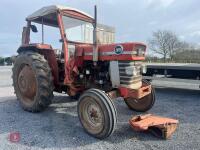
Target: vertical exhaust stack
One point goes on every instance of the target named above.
(95, 43)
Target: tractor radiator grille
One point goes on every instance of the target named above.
(126, 79)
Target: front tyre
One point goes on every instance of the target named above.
(144, 104)
(32, 81)
(97, 113)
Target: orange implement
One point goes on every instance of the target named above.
(159, 126)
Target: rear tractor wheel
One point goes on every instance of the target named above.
(32, 81)
(97, 113)
(143, 104)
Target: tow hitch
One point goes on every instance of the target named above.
(160, 126)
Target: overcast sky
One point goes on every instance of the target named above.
(134, 20)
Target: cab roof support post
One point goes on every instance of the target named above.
(42, 30)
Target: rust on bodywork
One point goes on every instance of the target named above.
(159, 126)
(135, 93)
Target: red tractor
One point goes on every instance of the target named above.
(95, 73)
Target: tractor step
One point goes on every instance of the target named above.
(159, 126)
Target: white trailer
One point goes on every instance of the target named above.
(178, 75)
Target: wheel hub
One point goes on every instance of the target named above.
(93, 117)
(94, 114)
(27, 83)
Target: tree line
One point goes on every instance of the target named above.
(171, 49)
(6, 61)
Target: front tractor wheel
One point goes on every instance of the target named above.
(143, 104)
(32, 81)
(97, 113)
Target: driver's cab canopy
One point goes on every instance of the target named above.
(48, 15)
(73, 20)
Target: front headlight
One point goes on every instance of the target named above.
(131, 70)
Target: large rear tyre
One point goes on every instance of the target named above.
(32, 81)
(143, 104)
(97, 113)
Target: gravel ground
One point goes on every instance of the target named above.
(58, 127)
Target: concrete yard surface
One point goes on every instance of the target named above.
(58, 127)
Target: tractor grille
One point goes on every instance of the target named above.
(126, 79)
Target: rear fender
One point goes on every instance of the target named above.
(49, 55)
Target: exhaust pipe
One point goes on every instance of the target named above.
(95, 43)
